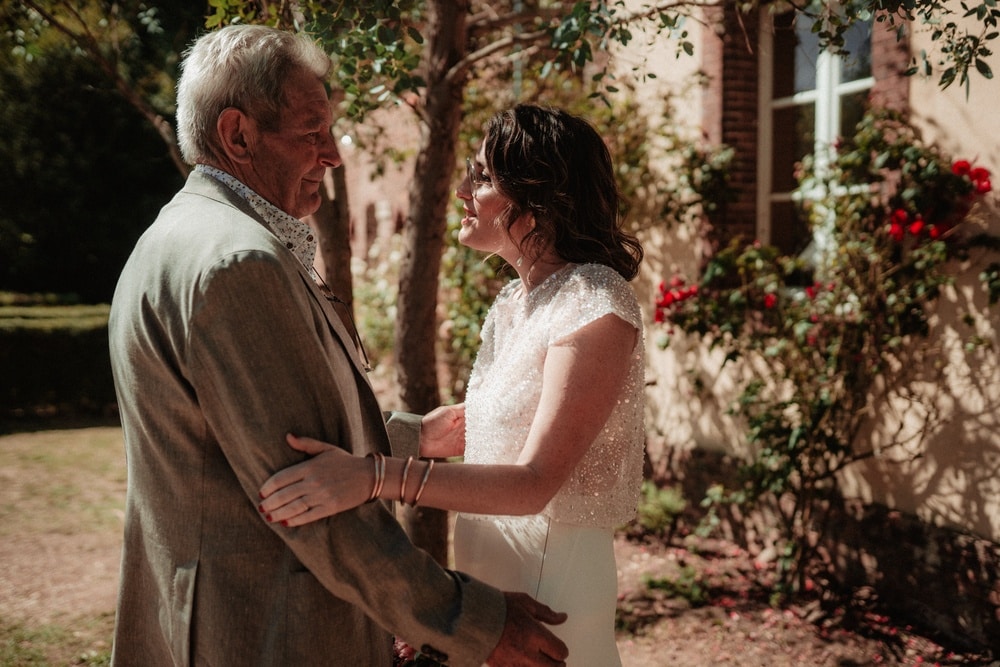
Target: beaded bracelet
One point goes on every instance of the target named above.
(423, 482)
(379, 459)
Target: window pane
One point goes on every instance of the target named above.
(789, 229)
(794, 137)
(856, 63)
(852, 108)
(806, 54)
(784, 44)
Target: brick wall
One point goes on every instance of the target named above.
(729, 114)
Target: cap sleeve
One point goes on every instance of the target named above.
(590, 292)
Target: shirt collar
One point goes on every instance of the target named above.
(295, 234)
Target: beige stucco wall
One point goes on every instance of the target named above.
(953, 477)
(956, 479)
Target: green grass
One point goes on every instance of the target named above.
(51, 645)
(61, 481)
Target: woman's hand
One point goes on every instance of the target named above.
(332, 481)
(442, 432)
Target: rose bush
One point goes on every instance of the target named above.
(824, 341)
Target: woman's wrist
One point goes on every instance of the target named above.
(399, 480)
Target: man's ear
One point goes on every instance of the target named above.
(237, 134)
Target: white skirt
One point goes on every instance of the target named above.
(569, 568)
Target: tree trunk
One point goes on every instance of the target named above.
(332, 225)
(416, 319)
(335, 237)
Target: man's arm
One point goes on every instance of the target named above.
(264, 363)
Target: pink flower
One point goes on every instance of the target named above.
(770, 300)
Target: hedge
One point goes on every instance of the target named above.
(55, 358)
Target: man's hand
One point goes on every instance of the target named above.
(525, 641)
(442, 432)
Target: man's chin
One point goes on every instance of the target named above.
(308, 205)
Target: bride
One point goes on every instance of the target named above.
(552, 427)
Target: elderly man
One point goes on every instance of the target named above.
(222, 343)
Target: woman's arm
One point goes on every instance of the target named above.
(583, 377)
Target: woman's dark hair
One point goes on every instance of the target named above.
(556, 166)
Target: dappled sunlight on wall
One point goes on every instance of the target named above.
(949, 474)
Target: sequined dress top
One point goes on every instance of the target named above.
(505, 388)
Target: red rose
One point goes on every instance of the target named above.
(980, 174)
(983, 186)
(934, 231)
(658, 316)
(900, 216)
(896, 231)
(770, 300)
(961, 167)
(917, 227)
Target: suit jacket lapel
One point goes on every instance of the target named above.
(209, 187)
(337, 325)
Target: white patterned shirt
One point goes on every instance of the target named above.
(295, 234)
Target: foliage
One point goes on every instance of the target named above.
(81, 171)
(375, 284)
(659, 508)
(687, 585)
(821, 358)
(960, 49)
(57, 356)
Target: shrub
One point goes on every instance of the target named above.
(820, 356)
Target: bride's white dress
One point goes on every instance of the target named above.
(563, 556)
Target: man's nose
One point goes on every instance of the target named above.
(329, 154)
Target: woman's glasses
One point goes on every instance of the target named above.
(476, 178)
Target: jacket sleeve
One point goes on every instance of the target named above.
(265, 362)
(404, 433)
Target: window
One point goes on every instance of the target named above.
(808, 98)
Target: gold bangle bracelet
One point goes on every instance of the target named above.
(378, 459)
(423, 482)
(402, 483)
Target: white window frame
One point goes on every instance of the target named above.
(825, 99)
